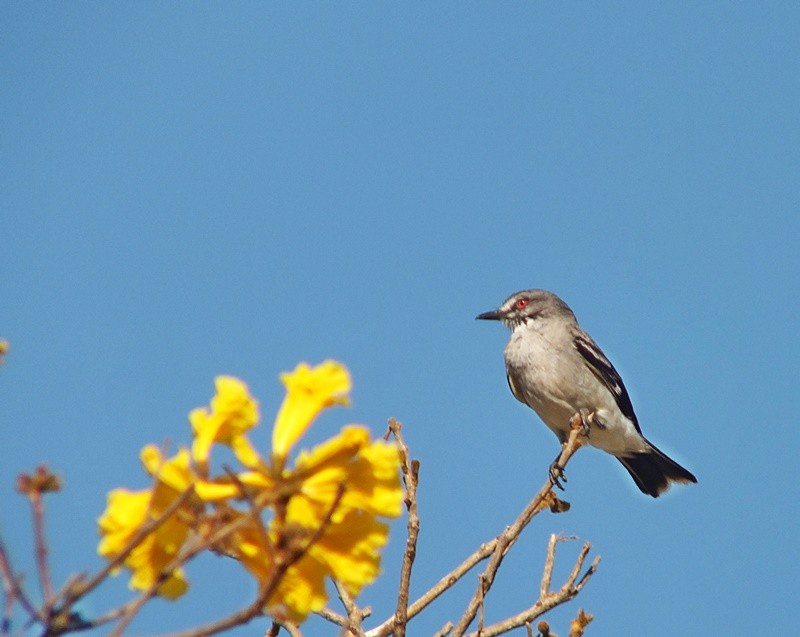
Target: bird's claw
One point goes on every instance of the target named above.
(583, 420)
(557, 474)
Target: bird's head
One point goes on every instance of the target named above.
(527, 305)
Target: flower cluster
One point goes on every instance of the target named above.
(290, 525)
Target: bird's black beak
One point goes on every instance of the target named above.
(494, 315)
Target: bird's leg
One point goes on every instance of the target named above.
(556, 472)
(583, 420)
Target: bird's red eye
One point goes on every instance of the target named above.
(521, 303)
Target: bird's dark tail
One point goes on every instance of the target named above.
(653, 471)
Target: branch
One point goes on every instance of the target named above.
(355, 615)
(13, 592)
(333, 617)
(410, 470)
(34, 486)
(42, 566)
(547, 599)
(507, 539)
(498, 547)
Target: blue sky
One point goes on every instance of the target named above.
(191, 189)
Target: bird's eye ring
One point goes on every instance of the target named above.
(521, 303)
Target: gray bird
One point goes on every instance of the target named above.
(556, 369)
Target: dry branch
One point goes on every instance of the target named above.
(410, 469)
(495, 549)
(547, 599)
(506, 539)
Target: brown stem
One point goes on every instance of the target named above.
(410, 469)
(507, 539)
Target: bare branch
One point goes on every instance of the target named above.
(410, 469)
(547, 599)
(13, 591)
(41, 548)
(355, 615)
(34, 486)
(444, 630)
(506, 539)
(448, 581)
(333, 617)
(497, 547)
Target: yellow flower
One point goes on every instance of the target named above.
(368, 471)
(347, 551)
(301, 591)
(128, 511)
(301, 524)
(125, 513)
(341, 487)
(233, 412)
(325, 508)
(308, 391)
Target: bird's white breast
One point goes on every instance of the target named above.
(538, 363)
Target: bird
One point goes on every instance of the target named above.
(554, 367)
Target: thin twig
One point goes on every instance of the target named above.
(487, 548)
(333, 617)
(548, 599)
(549, 563)
(506, 539)
(292, 629)
(13, 589)
(354, 614)
(444, 584)
(42, 566)
(410, 469)
(444, 630)
(578, 565)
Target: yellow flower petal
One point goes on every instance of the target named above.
(233, 411)
(174, 472)
(210, 491)
(375, 480)
(148, 573)
(308, 391)
(257, 484)
(350, 550)
(246, 453)
(368, 471)
(301, 591)
(346, 445)
(127, 512)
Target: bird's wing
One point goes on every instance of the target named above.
(601, 367)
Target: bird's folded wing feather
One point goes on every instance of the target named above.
(601, 367)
